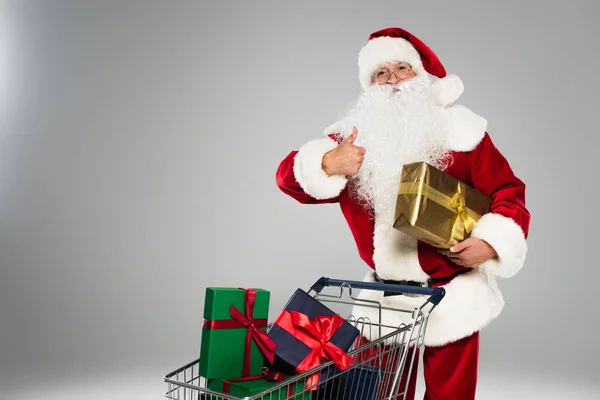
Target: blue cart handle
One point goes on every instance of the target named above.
(435, 294)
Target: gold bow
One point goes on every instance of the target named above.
(464, 222)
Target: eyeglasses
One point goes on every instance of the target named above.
(383, 75)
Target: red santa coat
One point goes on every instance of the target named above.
(472, 299)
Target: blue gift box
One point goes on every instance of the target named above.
(361, 383)
(290, 351)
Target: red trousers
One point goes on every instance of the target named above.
(450, 371)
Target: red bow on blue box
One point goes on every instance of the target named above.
(307, 334)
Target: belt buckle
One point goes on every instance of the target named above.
(421, 284)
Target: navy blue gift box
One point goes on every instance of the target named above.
(361, 382)
(290, 351)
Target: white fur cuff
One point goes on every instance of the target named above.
(507, 238)
(309, 173)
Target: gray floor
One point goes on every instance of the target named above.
(148, 385)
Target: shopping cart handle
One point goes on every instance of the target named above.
(435, 294)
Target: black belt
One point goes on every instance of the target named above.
(429, 283)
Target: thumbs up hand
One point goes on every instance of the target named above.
(346, 158)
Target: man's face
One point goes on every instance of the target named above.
(391, 73)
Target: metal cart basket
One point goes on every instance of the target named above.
(381, 366)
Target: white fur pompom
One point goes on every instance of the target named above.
(448, 89)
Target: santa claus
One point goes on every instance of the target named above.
(406, 113)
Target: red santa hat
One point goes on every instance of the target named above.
(396, 44)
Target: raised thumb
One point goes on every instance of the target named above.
(353, 135)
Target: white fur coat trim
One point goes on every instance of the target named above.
(465, 128)
(507, 238)
(470, 304)
(395, 254)
(309, 173)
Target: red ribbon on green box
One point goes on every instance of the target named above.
(270, 376)
(241, 320)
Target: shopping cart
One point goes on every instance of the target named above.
(380, 368)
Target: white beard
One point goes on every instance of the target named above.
(395, 129)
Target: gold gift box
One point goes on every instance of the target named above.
(436, 208)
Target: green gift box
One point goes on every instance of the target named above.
(234, 339)
(295, 389)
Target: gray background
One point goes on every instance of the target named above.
(138, 149)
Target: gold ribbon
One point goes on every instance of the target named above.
(466, 218)
(464, 223)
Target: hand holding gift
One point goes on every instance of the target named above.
(470, 253)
